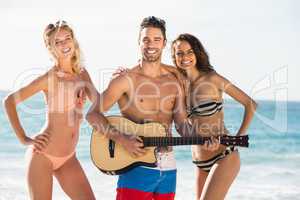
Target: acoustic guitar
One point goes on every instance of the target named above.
(111, 158)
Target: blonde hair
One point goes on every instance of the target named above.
(49, 36)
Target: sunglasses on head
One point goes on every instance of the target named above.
(59, 23)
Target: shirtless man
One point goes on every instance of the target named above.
(147, 92)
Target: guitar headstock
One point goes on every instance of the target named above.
(228, 140)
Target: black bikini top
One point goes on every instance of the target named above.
(206, 108)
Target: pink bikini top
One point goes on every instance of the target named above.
(66, 93)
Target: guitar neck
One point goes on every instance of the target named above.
(194, 140)
(172, 141)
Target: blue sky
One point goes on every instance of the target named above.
(253, 43)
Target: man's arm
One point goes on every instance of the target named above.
(182, 123)
(116, 88)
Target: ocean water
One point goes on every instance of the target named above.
(270, 167)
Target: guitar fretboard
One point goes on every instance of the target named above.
(172, 141)
(194, 140)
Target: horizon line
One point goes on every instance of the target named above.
(292, 100)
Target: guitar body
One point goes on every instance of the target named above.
(111, 158)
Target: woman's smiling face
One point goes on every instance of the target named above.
(184, 55)
(63, 44)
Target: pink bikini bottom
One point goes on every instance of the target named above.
(56, 161)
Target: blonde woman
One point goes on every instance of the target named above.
(51, 152)
(216, 165)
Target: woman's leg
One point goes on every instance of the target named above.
(73, 180)
(39, 176)
(200, 181)
(221, 177)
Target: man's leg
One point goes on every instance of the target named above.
(138, 183)
(167, 186)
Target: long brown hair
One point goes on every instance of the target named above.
(202, 58)
(50, 31)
